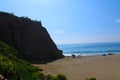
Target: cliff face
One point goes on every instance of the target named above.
(29, 37)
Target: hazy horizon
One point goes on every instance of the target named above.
(87, 43)
(72, 21)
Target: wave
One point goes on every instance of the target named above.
(108, 51)
(93, 48)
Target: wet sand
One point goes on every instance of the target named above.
(100, 67)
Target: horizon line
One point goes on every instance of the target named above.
(88, 42)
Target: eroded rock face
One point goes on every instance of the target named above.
(29, 37)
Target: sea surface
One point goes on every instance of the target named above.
(86, 49)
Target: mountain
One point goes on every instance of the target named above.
(29, 37)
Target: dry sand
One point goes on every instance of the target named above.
(100, 67)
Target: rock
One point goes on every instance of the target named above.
(29, 37)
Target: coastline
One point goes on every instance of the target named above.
(90, 54)
(98, 66)
(88, 49)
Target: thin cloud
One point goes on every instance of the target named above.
(59, 31)
(117, 20)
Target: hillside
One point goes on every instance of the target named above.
(14, 67)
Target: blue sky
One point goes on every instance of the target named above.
(72, 21)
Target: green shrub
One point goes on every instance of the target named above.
(13, 66)
(50, 77)
(61, 77)
(91, 78)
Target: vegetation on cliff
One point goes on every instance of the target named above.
(14, 67)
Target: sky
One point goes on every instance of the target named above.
(72, 21)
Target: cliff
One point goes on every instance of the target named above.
(29, 37)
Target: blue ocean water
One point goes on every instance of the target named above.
(90, 48)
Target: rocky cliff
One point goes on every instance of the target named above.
(29, 37)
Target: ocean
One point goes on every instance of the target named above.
(86, 49)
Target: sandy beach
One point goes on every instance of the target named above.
(100, 67)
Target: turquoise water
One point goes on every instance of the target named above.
(90, 49)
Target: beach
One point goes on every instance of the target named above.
(100, 67)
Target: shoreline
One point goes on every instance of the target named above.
(91, 54)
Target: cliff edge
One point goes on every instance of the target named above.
(29, 37)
